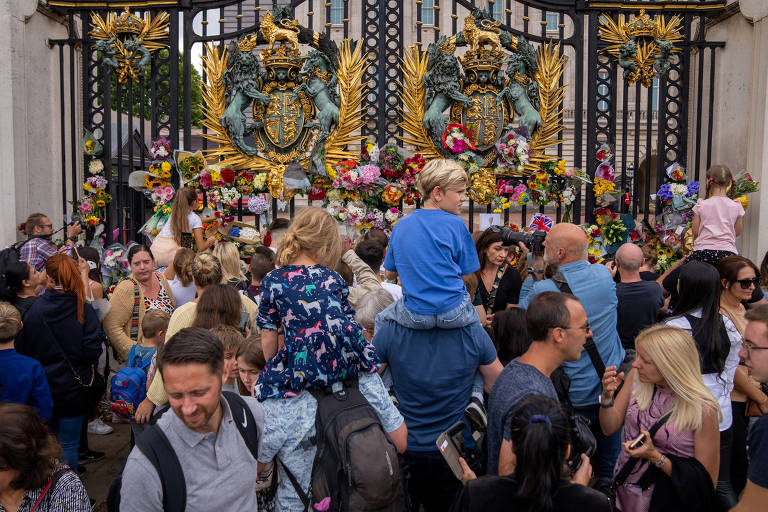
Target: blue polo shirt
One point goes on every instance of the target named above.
(24, 382)
(594, 287)
(430, 250)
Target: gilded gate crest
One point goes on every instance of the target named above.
(480, 92)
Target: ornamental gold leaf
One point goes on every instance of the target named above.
(413, 98)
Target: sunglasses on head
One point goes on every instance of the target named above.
(744, 283)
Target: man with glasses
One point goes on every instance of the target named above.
(566, 248)
(558, 326)
(39, 247)
(754, 352)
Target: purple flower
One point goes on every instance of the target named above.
(693, 189)
(257, 205)
(665, 192)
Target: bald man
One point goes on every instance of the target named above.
(566, 248)
(639, 301)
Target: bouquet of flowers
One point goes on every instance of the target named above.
(190, 165)
(744, 184)
(91, 145)
(162, 212)
(514, 151)
(258, 204)
(114, 263)
(95, 166)
(160, 149)
(457, 138)
(391, 162)
(162, 195)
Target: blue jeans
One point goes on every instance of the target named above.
(608, 447)
(67, 431)
(462, 315)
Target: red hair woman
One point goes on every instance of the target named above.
(63, 333)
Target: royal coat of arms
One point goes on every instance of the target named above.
(283, 109)
(501, 82)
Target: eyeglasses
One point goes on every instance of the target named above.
(744, 283)
(584, 327)
(749, 346)
(45, 225)
(252, 373)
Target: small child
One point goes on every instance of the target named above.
(250, 361)
(143, 354)
(23, 379)
(717, 220)
(323, 344)
(262, 263)
(232, 340)
(430, 250)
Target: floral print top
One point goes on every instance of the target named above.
(163, 302)
(323, 343)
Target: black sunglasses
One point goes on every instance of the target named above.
(744, 283)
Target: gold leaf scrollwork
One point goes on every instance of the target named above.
(551, 96)
(413, 94)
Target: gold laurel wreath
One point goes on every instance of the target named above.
(551, 94)
(352, 90)
(413, 96)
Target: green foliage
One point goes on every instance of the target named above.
(162, 85)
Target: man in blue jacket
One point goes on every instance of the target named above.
(566, 248)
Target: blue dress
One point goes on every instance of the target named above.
(323, 343)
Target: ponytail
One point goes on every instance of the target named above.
(63, 270)
(540, 433)
(184, 202)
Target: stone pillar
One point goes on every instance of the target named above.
(754, 239)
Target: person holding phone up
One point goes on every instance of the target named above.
(671, 447)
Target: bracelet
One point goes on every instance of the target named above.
(609, 404)
(662, 460)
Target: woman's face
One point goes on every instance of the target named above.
(735, 288)
(37, 280)
(142, 266)
(247, 373)
(495, 254)
(6, 477)
(646, 369)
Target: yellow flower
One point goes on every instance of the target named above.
(165, 166)
(560, 169)
(330, 171)
(215, 176)
(100, 203)
(87, 187)
(496, 210)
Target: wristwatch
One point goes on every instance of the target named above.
(661, 461)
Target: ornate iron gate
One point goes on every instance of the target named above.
(673, 113)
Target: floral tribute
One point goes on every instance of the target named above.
(457, 139)
(92, 207)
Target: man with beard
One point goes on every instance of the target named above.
(566, 248)
(38, 247)
(206, 431)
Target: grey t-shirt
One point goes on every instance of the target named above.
(515, 382)
(219, 470)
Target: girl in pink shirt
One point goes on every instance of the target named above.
(717, 220)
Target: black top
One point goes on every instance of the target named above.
(508, 291)
(638, 308)
(645, 275)
(499, 493)
(670, 285)
(23, 304)
(758, 452)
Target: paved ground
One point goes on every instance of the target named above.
(100, 474)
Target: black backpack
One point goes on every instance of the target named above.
(356, 465)
(155, 446)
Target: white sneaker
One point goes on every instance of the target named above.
(99, 427)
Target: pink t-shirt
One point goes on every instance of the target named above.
(718, 216)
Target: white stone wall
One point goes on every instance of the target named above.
(30, 138)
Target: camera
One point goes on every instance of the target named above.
(582, 441)
(534, 241)
(77, 220)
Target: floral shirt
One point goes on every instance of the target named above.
(323, 343)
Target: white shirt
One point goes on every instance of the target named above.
(720, 385)
(182, 294)
(395, 290)
(193, 220)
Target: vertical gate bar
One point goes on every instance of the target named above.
(328, 19)
(699, 97)
(711, 113)
(683, 93)
(420, 21)
(525, 18)
(72, 102)
(62, 127)
(454, 17)
(436, 26)
(131, 167)
(345, 22)
(311, 24)
(119, 128)
(624, 114)
(471, 216)
(648, 150)
(173, 78)
(105, 75)
(592, 106)
(578, 114)
(636, 159)
(661, 159)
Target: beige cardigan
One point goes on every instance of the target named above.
(117, 323)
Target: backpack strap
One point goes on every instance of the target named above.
(244, 421)
(628, 466)
(155, 446)
(134, 332)
(295, 483)
(491, 302)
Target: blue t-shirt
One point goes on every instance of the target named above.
(515, 382)
(24, 382)
(758, 452)
(141, 357)
(432, 372)
(431, 250)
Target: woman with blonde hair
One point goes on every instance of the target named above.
(184, 227)
(229, 257)
(670, 420)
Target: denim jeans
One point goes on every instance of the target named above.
(430, 483)
(608, 447)
(67, 431)
(462, 315)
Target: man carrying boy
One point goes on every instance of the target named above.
(22, 378)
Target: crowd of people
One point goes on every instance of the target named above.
(433, 369)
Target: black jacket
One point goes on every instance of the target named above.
(82, 344)
(688, 488)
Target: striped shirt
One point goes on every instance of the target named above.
(68, 494)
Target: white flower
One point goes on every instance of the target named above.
(679, 189)
(568, 196)
(249, 233)
(95, 166)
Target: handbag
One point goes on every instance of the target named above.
(95, 387)
(753, 409)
